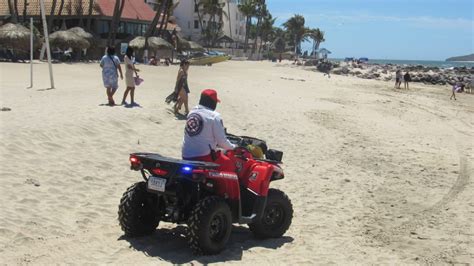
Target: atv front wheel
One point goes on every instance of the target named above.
(209, 226)
(138, 211)
(276, 218)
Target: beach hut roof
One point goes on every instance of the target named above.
(134, 10)
(183, 44)
(14, 36)
(323, 51)
(65, 39)
(81, 32)
(194, 46)
(225, 39)
(153, 43)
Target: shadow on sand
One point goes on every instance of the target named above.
(178, 116)
(171, 245)
(46, 89)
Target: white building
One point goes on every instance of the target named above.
(187, 18)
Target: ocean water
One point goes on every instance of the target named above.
(440, 64)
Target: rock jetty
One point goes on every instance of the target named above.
(418, 73)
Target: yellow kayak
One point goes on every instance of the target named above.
(208, 60)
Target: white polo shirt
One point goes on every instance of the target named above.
(204, 131)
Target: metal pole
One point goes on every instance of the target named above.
(31, 53)
(46, 36)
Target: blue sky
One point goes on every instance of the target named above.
(386, 29)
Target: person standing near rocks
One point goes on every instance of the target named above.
(407, 78)
(398, 79)
(458, 87)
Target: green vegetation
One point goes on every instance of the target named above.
(260, 25)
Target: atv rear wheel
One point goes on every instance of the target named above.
(209, 226)
(138, 211)
(276, 218)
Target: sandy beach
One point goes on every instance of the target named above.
(375, 175)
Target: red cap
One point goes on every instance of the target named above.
(211, 94)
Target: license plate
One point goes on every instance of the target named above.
(156, 183)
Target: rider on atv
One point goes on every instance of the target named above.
(204, 132)
(210, 190)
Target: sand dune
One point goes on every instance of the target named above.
(375, 175)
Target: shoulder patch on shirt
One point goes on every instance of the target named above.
(194, 124)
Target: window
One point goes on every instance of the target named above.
(236, 15)
(130, 28)
(103, 26)
(189, 24)
(121, 28)
(196, 8)
(196, 24)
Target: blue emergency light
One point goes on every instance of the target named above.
(187, 169)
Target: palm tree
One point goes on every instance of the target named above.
(261, 11)
(60, 11)
(152, 27)
(11, 9)
(196, 4)
(168, 12)
(214, 9)
(247, 8)
(118, 8)
(89, 14)
(296, 30)
(266, 30)
(230, 20)
(25, 7)
(317, 36)
(80, 11)
(15, 7)
(51, 16)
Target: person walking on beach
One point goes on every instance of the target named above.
(129, 79)
(110, 63)
(398, 79)
(182, 88)
(407, 79)
(457, 87)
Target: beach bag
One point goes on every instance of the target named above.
(173, 97)
(138, 80)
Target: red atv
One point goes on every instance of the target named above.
(207, 199)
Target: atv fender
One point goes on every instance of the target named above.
(259, 179)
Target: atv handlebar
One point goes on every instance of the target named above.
(236, 140)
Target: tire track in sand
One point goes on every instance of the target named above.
(434, 212)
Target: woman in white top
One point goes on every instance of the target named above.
(129, 79)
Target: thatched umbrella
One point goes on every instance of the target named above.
(154, 43)
(15, 36)
(64, 39)
(183, 44)
(194, 46)
(82, 33)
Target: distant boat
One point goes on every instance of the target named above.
(364, 59)
(348, 59)
(209, 58)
